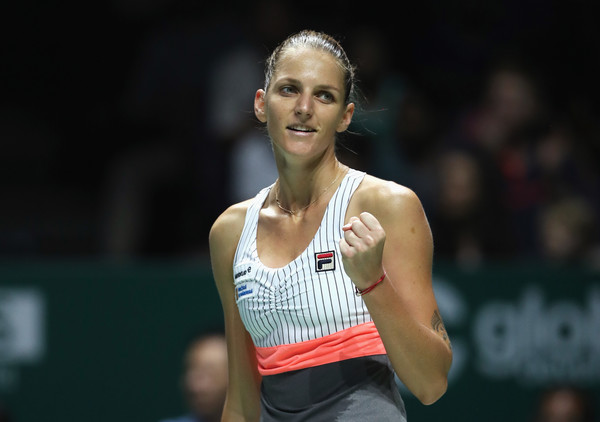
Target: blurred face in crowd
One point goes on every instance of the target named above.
(205, 380)
(511, 97)
(562, 406)
(459, 179)
(304, 105)
(565, 228)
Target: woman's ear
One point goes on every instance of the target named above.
(259, 106)
(346, 118)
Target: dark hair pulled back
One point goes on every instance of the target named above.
(319, 41)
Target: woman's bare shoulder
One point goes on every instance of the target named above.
(227, 228)
(380, 195)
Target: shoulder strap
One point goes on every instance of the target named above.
(251, 220)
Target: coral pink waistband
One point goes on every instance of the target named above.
(358, 341)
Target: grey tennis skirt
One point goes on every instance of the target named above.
(353, 390)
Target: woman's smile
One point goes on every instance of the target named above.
(301, 130)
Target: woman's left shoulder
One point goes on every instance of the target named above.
(379, 196)
(397, 208)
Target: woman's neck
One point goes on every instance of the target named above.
(300, 186)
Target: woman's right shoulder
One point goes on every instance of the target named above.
(223, 239)
(227, 228)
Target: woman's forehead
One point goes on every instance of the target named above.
(307, 62)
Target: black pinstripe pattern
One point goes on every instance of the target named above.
(295, 303)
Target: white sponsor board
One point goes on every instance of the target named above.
(22, 332)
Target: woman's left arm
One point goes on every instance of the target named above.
(393, 235)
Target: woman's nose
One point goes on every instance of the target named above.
(304, 105)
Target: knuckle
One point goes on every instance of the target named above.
(369, 240)
(361, 247)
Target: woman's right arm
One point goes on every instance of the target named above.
(243, 392)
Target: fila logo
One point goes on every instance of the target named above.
(325, 261)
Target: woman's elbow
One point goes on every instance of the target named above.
(433, 392)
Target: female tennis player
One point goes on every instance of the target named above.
(324, 276)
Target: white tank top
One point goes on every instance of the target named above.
(309, 298)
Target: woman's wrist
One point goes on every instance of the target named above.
(362, 292)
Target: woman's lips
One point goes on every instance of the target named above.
(301, 130)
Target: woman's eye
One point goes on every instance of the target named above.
(325, 96)
(287, 89)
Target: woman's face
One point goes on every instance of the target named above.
(304, 105)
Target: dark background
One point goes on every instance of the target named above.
(90, 90)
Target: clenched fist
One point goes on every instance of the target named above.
(362, 249)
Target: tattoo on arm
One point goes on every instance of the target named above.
(438, 326)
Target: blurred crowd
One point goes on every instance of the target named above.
(129, 130)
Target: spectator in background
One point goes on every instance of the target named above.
(397, 127)
(156, 189)
(566, 166)
(510, 111)
(564, 404)
(466, 219)
(567, 232)
(205, 379)
(505, 128)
